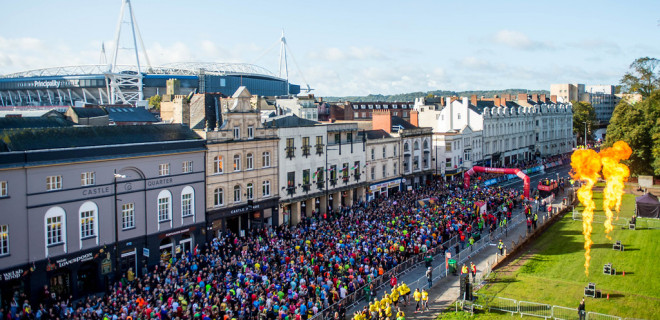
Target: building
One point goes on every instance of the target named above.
(110, 115)
(362, 111)
(304, 107)
(241, 168)
(601, 97)
(498, 131)
(321, 166)
(82, 205)
(414, 145)
(382, 165)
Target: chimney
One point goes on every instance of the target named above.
(454, 98)
(535, 97)
(382, 119)
(553, 98)
(522, 97)
(506, 97)
(414, 118)
(542, 98)
(496, 101)
(473, 99)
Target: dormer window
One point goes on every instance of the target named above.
(371, 106)
(363, 106)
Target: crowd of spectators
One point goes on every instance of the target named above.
(287, 272)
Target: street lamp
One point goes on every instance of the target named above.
(327, 173)
(117, 261)
(585, 134)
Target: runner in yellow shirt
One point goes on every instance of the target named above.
(425, 300)
(418, 298)
(395, 297)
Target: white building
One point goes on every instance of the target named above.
(382, 165)
(320, 166)
(304, 107)
(496, 131)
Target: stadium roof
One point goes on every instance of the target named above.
(180, 68)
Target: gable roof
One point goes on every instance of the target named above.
(400, 122)
(288, 121)
(242, 92)
(375, 134)
(72, 137)
(89, 112)
(130, 114)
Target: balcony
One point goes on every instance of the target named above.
(306, 187)
(357, 176)
(290, 152)
(319, 149)
(345, 179)
(306, 150)
(291, 190)
(320, 185)
(333, 182)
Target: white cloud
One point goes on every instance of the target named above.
(518, 40)
(352, 53)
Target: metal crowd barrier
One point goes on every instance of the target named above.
(535, 309)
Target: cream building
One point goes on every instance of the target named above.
(241, 168)
(382, 166)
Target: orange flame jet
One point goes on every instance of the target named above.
(615, 174)
(586, 166)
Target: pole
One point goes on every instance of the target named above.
(585, 134)
(116, 227)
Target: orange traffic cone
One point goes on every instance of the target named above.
(624, 273)
(608, 296)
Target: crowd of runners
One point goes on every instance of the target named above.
(288, 272)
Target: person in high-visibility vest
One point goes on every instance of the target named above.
(425, 300)
(500, 246)
(395, 296)
(473, 270)
(418, 298)
(464, 270)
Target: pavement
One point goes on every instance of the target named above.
(445, 290)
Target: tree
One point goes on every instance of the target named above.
(643, 77)
(154, 101)
(583, 112)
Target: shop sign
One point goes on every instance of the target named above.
(106, 264)
(96, 191)
(145, 252)
(159, 182)
(13, 274)
(65, 262)
(245, 209)
(174, 233)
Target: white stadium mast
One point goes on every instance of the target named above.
(123, 86)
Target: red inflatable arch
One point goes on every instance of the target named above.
(518, 172)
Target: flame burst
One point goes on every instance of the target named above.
(586, 166)
(615, 174)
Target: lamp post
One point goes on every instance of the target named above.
(585, 134)
(327, 203)
(117, 260)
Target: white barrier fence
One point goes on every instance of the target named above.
(534, 309)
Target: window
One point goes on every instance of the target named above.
(265, 159)
(87, 178)
(87, 224)
(349, 137)
(458, 116)
(187, 201)
(237, 193)
(448, 163)
(290, 148)
(395, 151)
(186, 167)
(218, 197)
(217, 164)
(448, 147)
(237, 133)
(344, 171)
(250, 191)
(373, 173)
(164, 169)
(54, 229)
(319, 145)
(128, 215)
(164, 206)
(356, 114)
(265, 188)
(318, 175)
(384, 153)
(237, 162)
(384, 171)
(306, 146)
(305, 180)
(250, 132)
(3, 189)
(406, 147)
(53, 183)
(4, 239)
(416, 145)
(291, 182)
(337, 138)
(333, 173)
(395, 170)
(249, 162)
(373, 154)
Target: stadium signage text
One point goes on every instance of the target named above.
(55, 83)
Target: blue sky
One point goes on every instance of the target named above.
(354, 47)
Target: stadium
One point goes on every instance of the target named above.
(64, 86)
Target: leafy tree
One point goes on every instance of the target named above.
(154, 101)
(583, 112)
(643, 77)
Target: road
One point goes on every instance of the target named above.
(552, 173)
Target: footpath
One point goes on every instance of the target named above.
(445, 289)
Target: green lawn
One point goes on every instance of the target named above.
(554, 273)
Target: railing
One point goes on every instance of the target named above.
(290, 152)
(320, 184)
(319, 149)
(357, 176)
(306, 150)
(306, 187)
(535, 309)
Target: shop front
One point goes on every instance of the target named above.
(243, 217)
(384, 189)
(14, 282)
